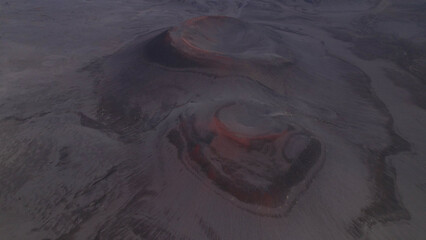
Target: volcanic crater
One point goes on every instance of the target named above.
(251, 151)
(216, 41)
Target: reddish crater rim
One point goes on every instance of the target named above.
(187, 33)
(243, 124)
(221, 129)
(223, 39)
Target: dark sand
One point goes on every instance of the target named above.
(176, 119)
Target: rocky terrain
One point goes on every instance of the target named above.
(197, 119)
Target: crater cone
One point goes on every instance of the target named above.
(215, 41)
(252, 153)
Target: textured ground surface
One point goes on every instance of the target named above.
(245, 119)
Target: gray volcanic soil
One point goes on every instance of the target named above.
(243, 119)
